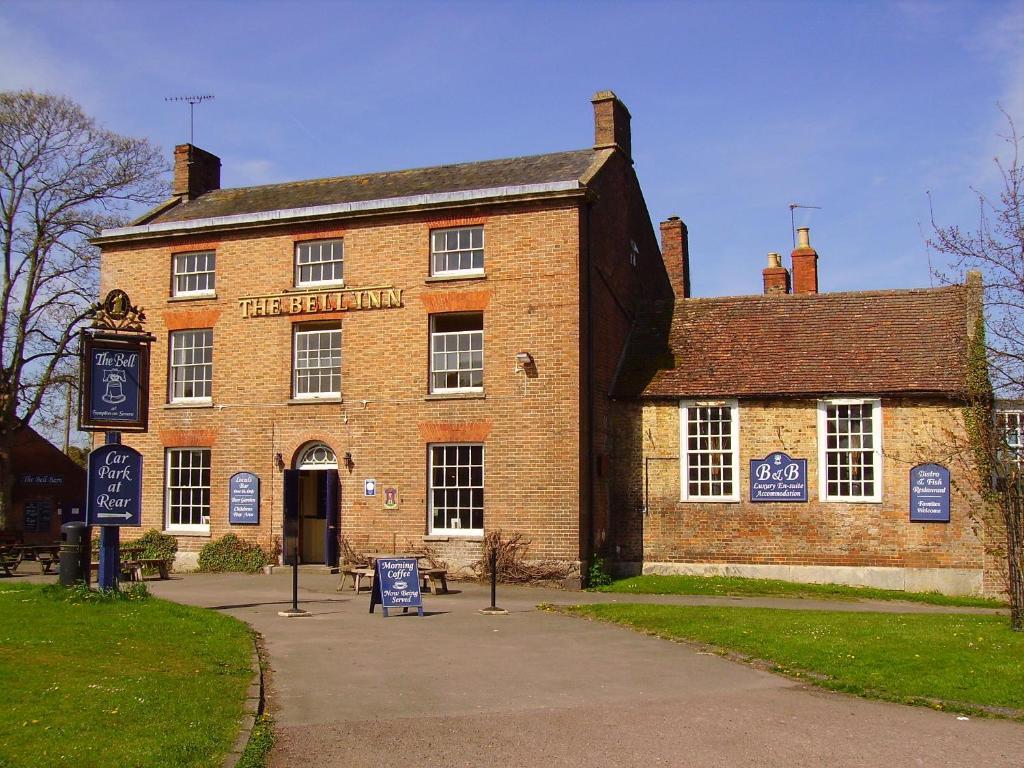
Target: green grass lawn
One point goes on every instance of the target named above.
(954, 661)
(734, 586)
(121, 683)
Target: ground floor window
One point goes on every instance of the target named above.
(456, 488)
(188, 489)
(850, 450)
(709, 434)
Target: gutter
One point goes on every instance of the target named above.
(287, 215)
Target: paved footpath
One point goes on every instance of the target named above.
(539, 689)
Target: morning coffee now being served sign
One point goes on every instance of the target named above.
(396, 584)
(114, 486)
(777, 477)
(929, 494)
(115, 378)
(244, 499)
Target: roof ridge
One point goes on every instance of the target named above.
(875, 292)
(325, 179)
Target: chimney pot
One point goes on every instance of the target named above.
(611, 123)
(675, 252)
(775, 276)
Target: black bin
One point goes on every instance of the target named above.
(75, 553)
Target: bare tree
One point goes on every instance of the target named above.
(996, 360)
(62, 179)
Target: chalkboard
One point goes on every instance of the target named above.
(396, 584)
(38, 515)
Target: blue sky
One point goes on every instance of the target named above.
(738, 108)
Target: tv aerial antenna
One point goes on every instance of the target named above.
(192, 101)
(792, 218)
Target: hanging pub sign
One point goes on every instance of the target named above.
(929, 494)
(115, 368)
(244, 499)
(114, 486)
(777, 477)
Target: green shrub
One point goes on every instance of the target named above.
(597, 574)
(157, 545)
(230, 553)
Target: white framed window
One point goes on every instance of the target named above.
(191, 366)
(317, 370)
(194, 274)
(457, 251)
(317, 456)
(709, 439)
(850, 450)
(1010, 424)
(188, 489)
(457, 352)
(320, 262)
(456, 488)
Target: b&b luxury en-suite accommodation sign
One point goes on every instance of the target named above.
(777, 477)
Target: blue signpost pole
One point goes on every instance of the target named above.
(110, 541)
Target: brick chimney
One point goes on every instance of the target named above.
(805, 263)
(675, 252)
(196, 171)
(776, 276)
(611, 123)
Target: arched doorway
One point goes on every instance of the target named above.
(311, 497)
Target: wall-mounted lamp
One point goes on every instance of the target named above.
(523, 361)
(279, 462)
(347, 458)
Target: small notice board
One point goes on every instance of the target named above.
(396, 584)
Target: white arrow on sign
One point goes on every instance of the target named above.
(122, 515)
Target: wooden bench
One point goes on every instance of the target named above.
(161, 565)
(435, 577)
(357, 574)
(47, 560)
(9, 562)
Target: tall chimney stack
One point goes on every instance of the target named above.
(611, 124)
(805, 263)
(196, 172)
(675, 252)
(776, 276)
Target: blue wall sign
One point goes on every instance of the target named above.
(369, 487)
(777, 477)
(244, 499)
(929, 494)
(114, 490)
(396, 584)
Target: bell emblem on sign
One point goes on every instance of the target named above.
(114, 393)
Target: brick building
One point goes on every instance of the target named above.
(861, 386)
(419, 356)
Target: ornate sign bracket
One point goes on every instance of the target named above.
(117, 313)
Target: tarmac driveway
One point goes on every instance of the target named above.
(455, 688)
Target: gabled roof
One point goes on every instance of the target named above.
(870, 342)
(533, 171)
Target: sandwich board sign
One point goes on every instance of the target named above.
(114, 486)
(396, 584)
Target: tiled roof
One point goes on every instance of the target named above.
(870, 342)
(489, 174)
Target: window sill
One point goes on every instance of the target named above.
(193, 297)
(455, 396)
(710, 500)
(315, 400)
(197, 534)
(315, 287)
(455, 535)
(449, 278)
(834, 500)
(186, 405)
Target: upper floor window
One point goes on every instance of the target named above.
(317, 369)
(457, 352)
(191, 365)
(850, 450)
(320, 262)
(194, 274)
(709, 434)
(1011, 428)
(457, 251)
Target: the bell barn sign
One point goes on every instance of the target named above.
(325, 300)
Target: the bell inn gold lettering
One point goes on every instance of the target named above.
(337, 300)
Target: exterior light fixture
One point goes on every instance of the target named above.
(348, 460)
(279, 461)
(523, 361)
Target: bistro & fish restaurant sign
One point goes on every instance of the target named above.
(312, 302)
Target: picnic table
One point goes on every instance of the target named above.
(133, 564)
(429, 575)
(44, 554)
